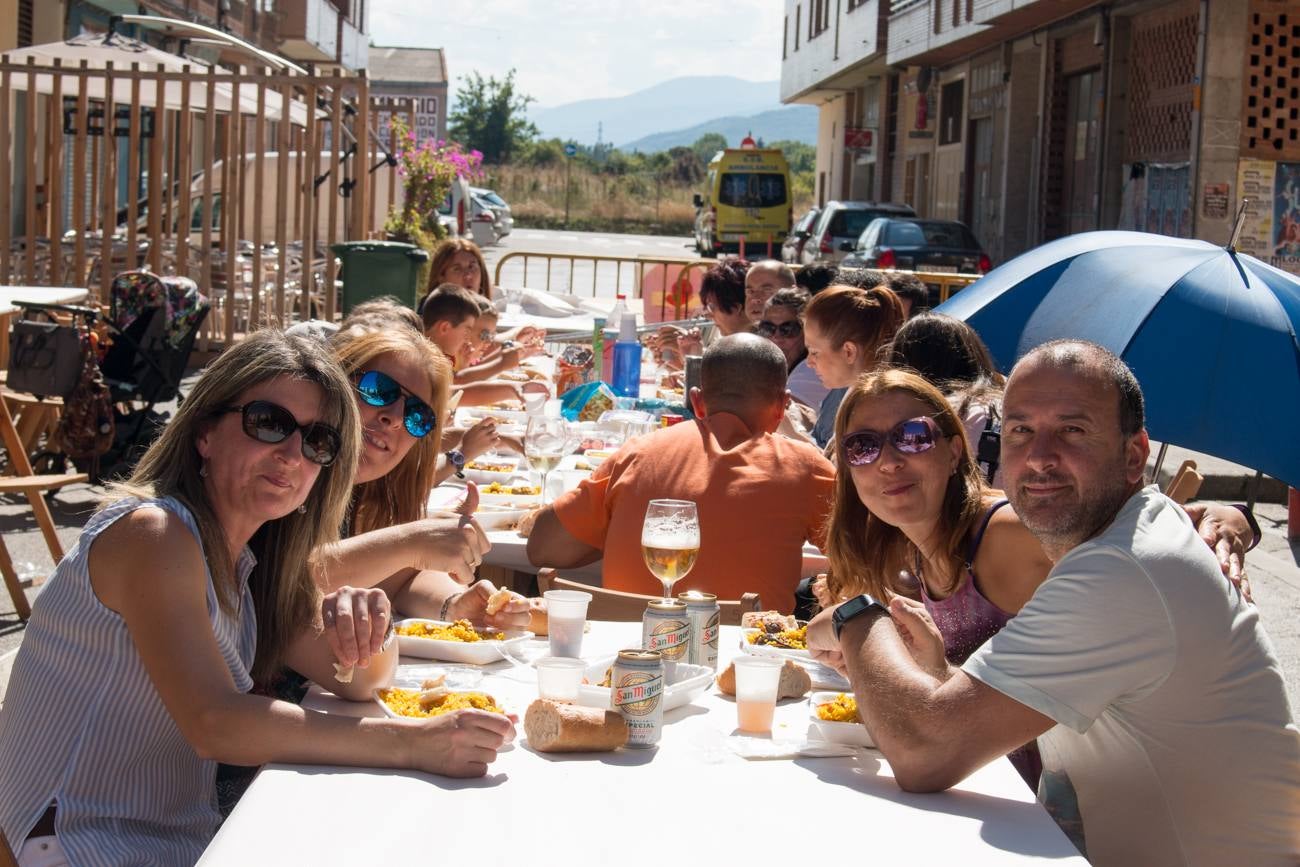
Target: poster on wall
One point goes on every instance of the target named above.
(1271, 230)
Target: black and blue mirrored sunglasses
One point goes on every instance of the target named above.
(379, 389)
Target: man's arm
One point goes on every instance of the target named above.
(935, 728)
(550, 544)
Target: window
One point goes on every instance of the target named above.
(819, 17)
(854, 4)
(951, 97)
(25, 15)
(752, 190)
(785, 38)
(798, 19)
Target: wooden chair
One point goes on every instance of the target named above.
(24, 481)
(1185, 483)
(622, 607)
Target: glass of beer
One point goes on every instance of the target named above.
(670, 540)
(546, 441)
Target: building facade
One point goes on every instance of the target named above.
(833, 58)
(1034, 119)
(411, 82)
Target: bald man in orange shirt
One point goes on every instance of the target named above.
(760, 495)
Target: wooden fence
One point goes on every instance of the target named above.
(254, 231)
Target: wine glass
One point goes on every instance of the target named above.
(545, 442)
(670, 540)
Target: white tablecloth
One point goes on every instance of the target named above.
(690, 801)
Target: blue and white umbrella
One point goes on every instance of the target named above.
(1210, 334)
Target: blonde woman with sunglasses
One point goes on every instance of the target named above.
(185, 589)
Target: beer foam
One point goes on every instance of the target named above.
(679, 540)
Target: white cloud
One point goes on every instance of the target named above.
(567, 50)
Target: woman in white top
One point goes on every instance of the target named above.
(133, 679)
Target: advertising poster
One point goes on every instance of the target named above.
(1255, 185)
(1286, 217)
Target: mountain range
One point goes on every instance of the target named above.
(679, 111)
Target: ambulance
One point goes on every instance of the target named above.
(746, 203)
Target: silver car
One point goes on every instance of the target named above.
(840, 225)
(486, 201)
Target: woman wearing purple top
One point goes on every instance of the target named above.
(913, 515)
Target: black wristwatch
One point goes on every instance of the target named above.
(456, 458)
(860, 604)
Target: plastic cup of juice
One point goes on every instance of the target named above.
(757, 679)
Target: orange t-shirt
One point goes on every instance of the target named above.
(758, 503)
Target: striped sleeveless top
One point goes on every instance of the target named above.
(83, 727)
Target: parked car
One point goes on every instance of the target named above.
(487, 201)
(792, 247)
(841, 222)
(917, 245)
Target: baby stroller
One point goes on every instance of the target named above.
(153, 322)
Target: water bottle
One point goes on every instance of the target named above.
(615, 320)
(627, 359)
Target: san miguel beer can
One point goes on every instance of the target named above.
(637, 690)
(702, 611)
(666, 628)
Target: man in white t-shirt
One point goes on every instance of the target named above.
(1156, 697)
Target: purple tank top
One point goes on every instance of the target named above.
(966, 619)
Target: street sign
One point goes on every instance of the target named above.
(570, 150)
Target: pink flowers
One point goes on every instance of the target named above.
(429, 169)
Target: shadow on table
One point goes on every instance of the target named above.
(450, 784)
(626, 758)
(1003, 820)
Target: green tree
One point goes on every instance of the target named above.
(801, 157)
(490, 117)
(707, 145)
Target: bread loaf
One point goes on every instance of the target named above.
(794, 683)
(570, 728)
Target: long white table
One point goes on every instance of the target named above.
(690, 801)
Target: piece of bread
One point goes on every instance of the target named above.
(498, 600)
(538, 623)
(795, 682)
(571, 728)
(769, 621)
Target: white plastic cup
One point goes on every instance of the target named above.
(535, 403)
(558, 678)
(757, 680)
(566, 616)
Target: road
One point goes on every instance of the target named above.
(560, 274)
(1274, 565)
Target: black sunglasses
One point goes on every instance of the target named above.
(379, 389)
(911, 437)
(269, 422)
(793, 328)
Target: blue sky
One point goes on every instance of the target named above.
(566, 50)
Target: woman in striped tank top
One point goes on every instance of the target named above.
(133, 678)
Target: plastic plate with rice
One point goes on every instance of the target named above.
(482, 652)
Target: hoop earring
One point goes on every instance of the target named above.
(203, 470)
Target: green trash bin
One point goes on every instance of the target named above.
(375, 268)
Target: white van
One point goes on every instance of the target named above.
(454, 214)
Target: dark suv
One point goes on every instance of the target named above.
(842, 222)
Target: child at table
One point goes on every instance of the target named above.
(450, 315)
